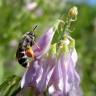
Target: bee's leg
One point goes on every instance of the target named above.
(36, 45)
(28, 65)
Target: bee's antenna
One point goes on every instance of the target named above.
(34, 28)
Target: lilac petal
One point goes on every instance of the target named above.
(55, 82)
(76, 91)
(64, 68)
(64, 76)
(74, 56)
(71, 78)
(44, 43)
(59, 85)
(77, 78)
(69, 64)
(31, 75)
(73, 75)
(58, 93)
(47, 72)
(38, 74)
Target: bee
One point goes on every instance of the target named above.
(24, 50)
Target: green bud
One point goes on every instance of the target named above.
(65, 49)
(73, 11)
(72, 43)
(53, 49)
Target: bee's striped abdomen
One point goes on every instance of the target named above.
(23, 61)
(22, 57)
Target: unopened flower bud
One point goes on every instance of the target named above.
(73, 11)
(72, 43)
(53, 49)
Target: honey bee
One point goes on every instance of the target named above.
(24, 50)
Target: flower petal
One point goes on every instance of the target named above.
(47, 72)
(74, 56)
(76, 91)
(55, 83)
(44, 43)
(32, 74)
(38, 74)
(64, 68)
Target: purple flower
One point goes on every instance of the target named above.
(55, 72)
(64, 77)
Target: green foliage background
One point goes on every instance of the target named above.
(15, 20)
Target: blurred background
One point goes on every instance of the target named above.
(19, 16)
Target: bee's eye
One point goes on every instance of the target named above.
(31, 34)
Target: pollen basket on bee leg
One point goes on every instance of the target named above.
(30, 53)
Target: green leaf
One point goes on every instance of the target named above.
(10, 86)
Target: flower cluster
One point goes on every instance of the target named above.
(54, 69)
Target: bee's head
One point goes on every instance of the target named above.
(31, 34)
